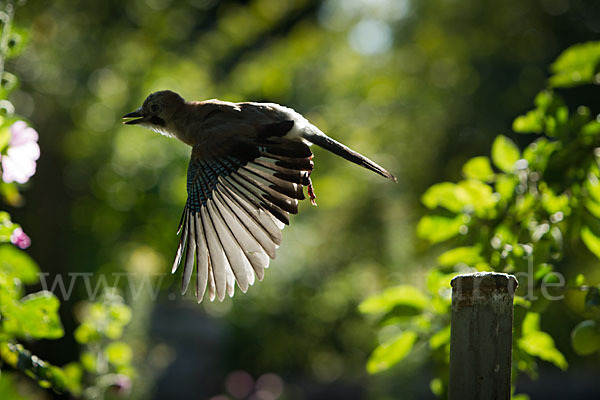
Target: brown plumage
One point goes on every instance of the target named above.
(249, 164)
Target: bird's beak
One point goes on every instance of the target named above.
(134, 117)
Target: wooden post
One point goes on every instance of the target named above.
(481, 336)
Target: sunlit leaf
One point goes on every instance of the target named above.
(532, 122)
(118, 353)
(403, 295)
(504, 153)
(505, 186)
(16, 263)
(538, 152)
(591, 240)
(469, 255)
(478, 168)
(544, 99)
(4, 137)
(437, 228)
(35, 316)
(88, 361)
(478, 196)
(576, 65)
(121, 313)
(442, 195)
(593, 207)
(440, 338)
(392, 352)
(86, 333)
(553, 203)
(73, 374)
(539, 344)
(592, 128)
(437, 387)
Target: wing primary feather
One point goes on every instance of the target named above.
(264, 202)
(282, 201)
(290, 175)
(234, 253)
(182, 242)
(251, 248)
(254, 228)
(189, 253)
(202, 262)
(286, 188)
(259, 200)
(262, 217)
(212, 286)
(217, 255)
(181, 221)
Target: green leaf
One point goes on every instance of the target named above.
(539, 344)
(436, 228)
(35, 316)
(88, 361)
(478, 168)
(121, 313)
(576, 65)
(591, 240)
(592, 207)
(403, 295)
(392, 352)
(544, 100)
(442, 195)
(17, 264)
(585, 338)
(592, 128)
(553, 203)
(504, 153)
(477, 196)
(440, 338)
(538, 152)
(505, 186)
(86, 333)
(4, 138)
(532, 122)
(118, 353)
(467, 255)
(73, 374)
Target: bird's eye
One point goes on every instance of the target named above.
(155, 108)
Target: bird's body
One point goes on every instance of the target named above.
(249, 164)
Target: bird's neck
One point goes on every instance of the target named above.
(178, 125)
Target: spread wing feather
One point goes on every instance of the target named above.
(240, 194)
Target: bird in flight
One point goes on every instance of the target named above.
(249, 165)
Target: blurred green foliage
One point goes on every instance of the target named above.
(524, 219)
(418, 86)
(35, 316)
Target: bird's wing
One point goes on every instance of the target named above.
(241, 191)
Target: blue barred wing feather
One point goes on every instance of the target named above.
(239, 199)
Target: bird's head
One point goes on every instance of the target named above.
(157, 110)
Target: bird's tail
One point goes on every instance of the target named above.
(341, 150)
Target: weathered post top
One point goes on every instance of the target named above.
(477, 286)
(481, 336)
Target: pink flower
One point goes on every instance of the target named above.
(18, 165)
(20, 239)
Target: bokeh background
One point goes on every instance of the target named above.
(418, 86)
